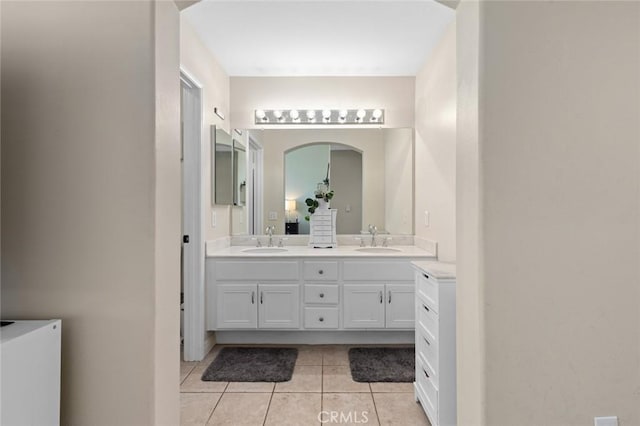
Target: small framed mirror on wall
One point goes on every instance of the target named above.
(222, 176)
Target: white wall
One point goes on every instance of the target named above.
(199, 63)
(394, 94)
(559, 208)
(90, 166)
(398, 180)
(436, 146)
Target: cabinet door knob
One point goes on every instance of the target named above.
(320, 272)
(321, 295)
(321, 319)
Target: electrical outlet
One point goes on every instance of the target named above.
(213, 219)
(606, 421)
(273, 215)
(426, 219)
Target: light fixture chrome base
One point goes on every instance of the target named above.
(319, 116)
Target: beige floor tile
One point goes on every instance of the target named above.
(306, 378)
(348, 408)
(309, 355)
(240, 409)
(337, 378)
(399, 409)
(392, 387)
(185, 369)
(195, 408)
(208, 359)
(294, 409)
(335, 355)
(193, 382)
(250, 387)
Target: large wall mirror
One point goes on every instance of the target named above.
(230, 169)
(370, 172)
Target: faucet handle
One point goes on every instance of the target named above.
(257, 240)
(281, 242)
(361, 241)
(385, 241)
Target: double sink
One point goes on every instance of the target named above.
(360, 249)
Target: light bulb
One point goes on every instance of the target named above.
(277, 114)
(377, 113)
(361, 113)
(326, 114)
(260, 115)
(294, 114)
(343, 114)
(311, 114)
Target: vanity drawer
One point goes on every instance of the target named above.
(377, 270)
(428, 320)
(321, 318)
(321, 293)
(427, 289)
(256, 270)
(321, 270)
(429, 391)
(427, 349)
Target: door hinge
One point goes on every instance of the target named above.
(185, 239)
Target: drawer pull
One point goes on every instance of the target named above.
(321, 319)
(425, 339)
(320, 272)
(321, 295)
(425, 307)
(426, 276)
(425, 373)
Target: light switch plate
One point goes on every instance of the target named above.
(213, 219)
(426, 219)
(606, 421)
(273, 215)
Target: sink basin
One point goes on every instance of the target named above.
(378, 250)
(265, 250)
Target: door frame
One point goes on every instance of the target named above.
(255, 198)
(193, 219)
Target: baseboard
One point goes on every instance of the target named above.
(316, 337)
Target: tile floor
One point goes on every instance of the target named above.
(321, 385)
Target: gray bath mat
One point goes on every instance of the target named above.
(252, 365)
(382, 364)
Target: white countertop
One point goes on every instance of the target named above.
(304, 251)
(438, 270)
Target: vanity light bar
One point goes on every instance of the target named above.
(319, 116)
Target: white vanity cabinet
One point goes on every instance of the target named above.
(378, 294)
(435, 328)
(253, 294)
(314, 293)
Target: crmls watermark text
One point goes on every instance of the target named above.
(343, 417)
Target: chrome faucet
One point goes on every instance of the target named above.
(373, 230)
(269, 232)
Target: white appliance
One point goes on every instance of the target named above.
(30, 373)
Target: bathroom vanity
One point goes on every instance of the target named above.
(337, 291)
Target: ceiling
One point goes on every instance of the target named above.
(320, 38)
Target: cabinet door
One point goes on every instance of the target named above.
(236, 306)
(363, 306)
(400, 312)
(279, 306)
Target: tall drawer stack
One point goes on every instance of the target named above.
(435, 385)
